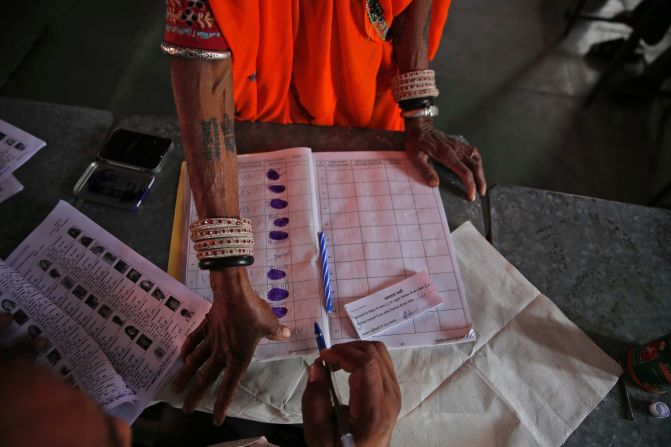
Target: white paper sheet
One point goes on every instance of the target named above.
(8, 187)
(286, 270)
(384, 224)
(137, 314)
(16, 148)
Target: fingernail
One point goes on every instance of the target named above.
(286, 332)
(217, 422)
(313, 373)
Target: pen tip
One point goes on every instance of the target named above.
(318, 330)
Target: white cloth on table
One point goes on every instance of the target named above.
(530, 378)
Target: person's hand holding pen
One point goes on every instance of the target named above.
(375, 397)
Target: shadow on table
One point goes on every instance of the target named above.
(164, 426)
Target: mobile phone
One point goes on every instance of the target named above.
(135, 150)
(114, 186)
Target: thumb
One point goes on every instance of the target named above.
(316, 407)
(421, 161)
(271, 327)
(278, 332)
(122, 432)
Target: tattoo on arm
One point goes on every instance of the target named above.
(210, 135)
(228, 129)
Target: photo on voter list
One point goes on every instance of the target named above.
(327, 223)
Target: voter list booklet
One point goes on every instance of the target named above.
(382, 224)
(114, 321)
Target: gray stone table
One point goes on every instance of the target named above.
(607, 265)
(73, 135)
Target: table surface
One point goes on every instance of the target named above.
(607, 265)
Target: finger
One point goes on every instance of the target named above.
(274, 330)
(316, 407)
(23, 350)
(385, 366)
(421, 161)
(350, 356)
(121, 431)
(192, 340)
(232, 377)
(384, 355)
(388, 372)
(465, 175)
(5, 320)
(475, 165)
(192, 362)
(202, 380)
(386, 362)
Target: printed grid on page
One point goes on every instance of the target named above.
(383, 224)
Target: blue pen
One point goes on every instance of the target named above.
(325, 270)
(345, 433)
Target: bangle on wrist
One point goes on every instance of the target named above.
(417, 103)
(414, 85)
(427, 111)
(228, 262)
(222, 242)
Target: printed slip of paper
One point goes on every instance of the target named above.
(136, 314)
(387, 308)
(16, 148)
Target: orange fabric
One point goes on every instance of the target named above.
(318, 62)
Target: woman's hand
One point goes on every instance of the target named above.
(424, 142)
(226, 340)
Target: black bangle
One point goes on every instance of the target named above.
(229, 261)
(416, 103)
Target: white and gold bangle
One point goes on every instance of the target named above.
(214, 233)
(224, 253)
(222, 222)
(414, 84)
(224, 243)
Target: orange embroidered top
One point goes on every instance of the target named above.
(303, 61)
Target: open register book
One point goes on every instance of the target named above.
(114, 321)
(382, 224)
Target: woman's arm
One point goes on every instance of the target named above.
(410, 33)
(228, 336)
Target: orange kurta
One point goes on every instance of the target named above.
(324, 62)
